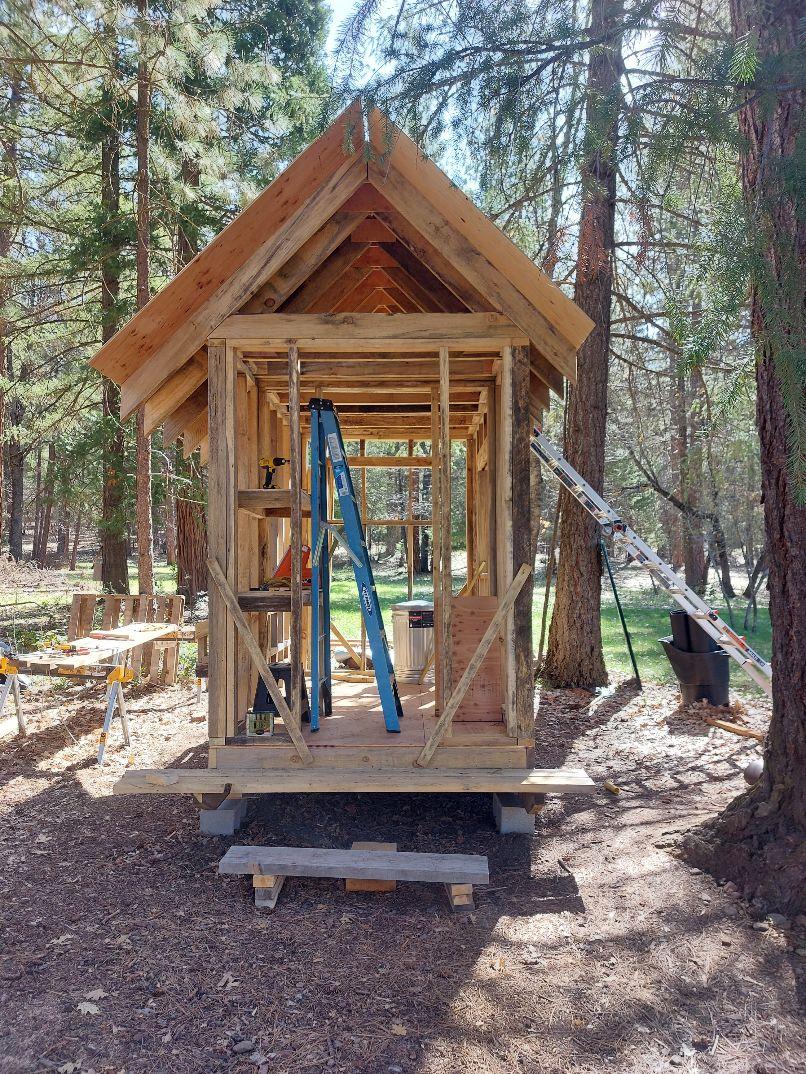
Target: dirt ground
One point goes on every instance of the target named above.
(594, 948)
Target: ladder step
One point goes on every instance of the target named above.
(579, 488)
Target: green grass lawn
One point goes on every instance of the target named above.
(646, 612)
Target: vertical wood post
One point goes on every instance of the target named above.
(505, 533)
(409, 534)
(436, 549)
(221, 529)
(265, 567)
(445, 513)
(362, 510)
(493, 453)
(295, 468)
(245, 677)
(520, 467)
(471, 493)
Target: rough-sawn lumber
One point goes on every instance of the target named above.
(349, 780)
(356, 864)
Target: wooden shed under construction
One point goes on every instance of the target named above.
(364, 276)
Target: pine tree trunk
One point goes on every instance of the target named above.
(760, 839)
(574, 655)
(114, 549)
(145, 529)
(16, 476)
(15, 454)
(191, 548)
(62, 534)
(690, 469)
(170, 510)
(12, 107)
(76, 539)
(47, 508)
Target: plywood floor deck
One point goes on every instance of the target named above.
(357, 720)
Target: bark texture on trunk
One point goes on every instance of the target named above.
(145, 529)
(191, 548)
(41, 552)
(114, 547)
(574, 655)
(687, 468)
(760, 839)
(15, 454)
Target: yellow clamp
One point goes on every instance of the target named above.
(7, 668)
(120, 674)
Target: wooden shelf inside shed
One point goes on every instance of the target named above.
(268, 503)
(264, 600)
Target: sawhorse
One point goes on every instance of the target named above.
(115, 699)
(11, 686)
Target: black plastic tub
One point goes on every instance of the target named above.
(701, 667)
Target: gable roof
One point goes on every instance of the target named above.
(369, 222)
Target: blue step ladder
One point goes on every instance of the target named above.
(327, 442)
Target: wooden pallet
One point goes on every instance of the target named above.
(154, 661)
(269, 867)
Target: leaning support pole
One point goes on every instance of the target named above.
(624, 626)
(263, 669)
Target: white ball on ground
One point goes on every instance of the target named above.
(752, 773)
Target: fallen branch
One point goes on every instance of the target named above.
(736, 729)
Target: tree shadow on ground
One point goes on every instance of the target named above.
(588, 949)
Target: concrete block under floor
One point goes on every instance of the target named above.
(510, 816)
(226, 820)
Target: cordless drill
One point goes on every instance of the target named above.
(270, 466)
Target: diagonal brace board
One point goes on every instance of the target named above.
(262, 666)
(456, 698)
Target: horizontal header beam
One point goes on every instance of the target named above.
(355, 332)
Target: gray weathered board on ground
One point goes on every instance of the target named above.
(357, 864)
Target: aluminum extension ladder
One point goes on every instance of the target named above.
(734, 645)
(327, 442)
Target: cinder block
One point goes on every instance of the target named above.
(226, 820)
(510, 816)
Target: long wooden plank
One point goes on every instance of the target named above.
(355, 780)
(271, 501)
(490, 634)
(372, 331)
(522, 522)
(356, 864)
(266, 259)
(446, 573)
(249, 640)
(176, 389)
(154, 325)
(185, 414)
(436, 547)
(343, 271)
(221, 534)
(295, 492)
(556, 308)
(477, 755)
(302, 265)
